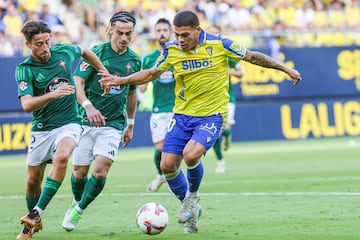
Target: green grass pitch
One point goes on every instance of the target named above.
(273, 190)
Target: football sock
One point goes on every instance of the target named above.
(93, 187)
(50, 188)
(194, 176)
(227, 132)
(31, 202)
(217, 149)
(157, 160)
(78, 186)
(177, 183)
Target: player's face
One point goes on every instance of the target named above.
(162, 33)
(187, 37)
(40, 47)
(121, 34)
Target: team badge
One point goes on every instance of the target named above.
(62, 64)
(209, 50)
(128, 68)
(210, 129)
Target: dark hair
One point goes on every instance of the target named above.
(186, 18)
(163, 20)
(34, 27)
(218, 27)
(122, 16)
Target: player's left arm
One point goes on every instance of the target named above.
(266, 61)
(130, 112)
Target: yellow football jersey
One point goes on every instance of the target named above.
(202, 77)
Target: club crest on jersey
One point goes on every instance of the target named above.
(83, 66)
(23, 86)
(55, 83)
(62, 64)
(209, 50)
(128, 68)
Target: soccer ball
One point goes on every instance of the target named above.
(152, 218)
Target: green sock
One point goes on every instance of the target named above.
(50, 188)
(78, 186)
(31, 202)
(227, 132)
(93, 187)
(157, 160)
(217, 149)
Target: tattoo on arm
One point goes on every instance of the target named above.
(263, 60)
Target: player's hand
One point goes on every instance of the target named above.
(128, 135)
(109, 80)
(94, 116)
(63, 90)
(294, 75)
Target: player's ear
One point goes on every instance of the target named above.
(28, 44)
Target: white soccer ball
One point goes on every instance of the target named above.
(152, 218)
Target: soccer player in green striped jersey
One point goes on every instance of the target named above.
(163, 99)
(200, 61)
(46, 88)
(108, 121)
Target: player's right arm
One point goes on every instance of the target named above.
(31, 103)
(137, 78)
(94, 116)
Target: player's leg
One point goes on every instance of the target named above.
(33, 191)
(230, 122)
(104, 147)
(220, 165)
(172, 155)
(158, 126)
(160, 178)
(205, 134)
(57, 145)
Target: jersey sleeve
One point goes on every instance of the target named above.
(23, 76)
(162, 63)
(235, 51)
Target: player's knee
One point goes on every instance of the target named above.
(100, 174)
(167, 168)
(191, 158)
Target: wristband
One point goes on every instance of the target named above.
(85, 103)
(130, 121)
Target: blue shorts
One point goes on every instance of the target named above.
(204, 130)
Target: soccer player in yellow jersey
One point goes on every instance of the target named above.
(200, 62)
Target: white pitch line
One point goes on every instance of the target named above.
(212, 194)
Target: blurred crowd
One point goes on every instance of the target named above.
(256, 23)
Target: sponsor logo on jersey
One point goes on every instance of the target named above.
(23, 86)
(117, 89)
(55, 83)
(83, 66)
(196, 64)
(166, 77)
